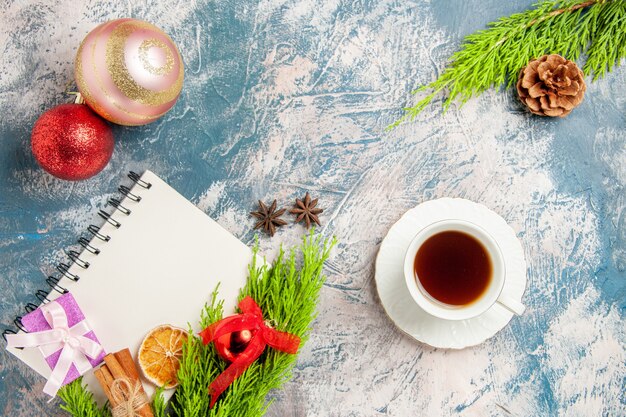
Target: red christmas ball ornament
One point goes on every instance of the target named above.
(230, 345)
(71, 142)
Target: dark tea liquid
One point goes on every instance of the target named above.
(453, 267)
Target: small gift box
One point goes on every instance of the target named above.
(60, 331)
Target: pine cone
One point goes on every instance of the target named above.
(551, 86)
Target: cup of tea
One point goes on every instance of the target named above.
(455, 270)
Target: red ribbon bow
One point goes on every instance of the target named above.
(250, 319)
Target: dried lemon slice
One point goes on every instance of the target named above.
(160, 353)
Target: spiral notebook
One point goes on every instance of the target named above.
(155, 260)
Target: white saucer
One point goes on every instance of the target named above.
(394, 294)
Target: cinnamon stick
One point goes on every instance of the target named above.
(104, 384)
(120, 365)
(125, 360)
(108, 378)
(128, 365)
(114, 366)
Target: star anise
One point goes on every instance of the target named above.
(305, 210)
(269, 218)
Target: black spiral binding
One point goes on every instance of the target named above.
(53, 282)
(107, 216)
(30, 307)
(118, 206)
(75, 257)
(95, 231)
(42, 296)
(126, 191)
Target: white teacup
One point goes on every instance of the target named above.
(493, 294)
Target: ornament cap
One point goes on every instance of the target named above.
(79, 97)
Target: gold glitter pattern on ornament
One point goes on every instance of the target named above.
(84, 89)
(116, 66)
(86, 65)
(143, 57)
(93, 103)
(80, 80)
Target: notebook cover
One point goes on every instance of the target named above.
(159, 267)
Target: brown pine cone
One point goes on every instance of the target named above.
(551, 86)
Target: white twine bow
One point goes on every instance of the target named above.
(75, 347)
(129, 397)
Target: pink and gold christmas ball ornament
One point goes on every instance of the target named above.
(129, 71)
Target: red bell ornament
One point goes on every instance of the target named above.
(71, 142)
(243, 338)
(230, 345)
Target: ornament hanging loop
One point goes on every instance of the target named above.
(79, 97)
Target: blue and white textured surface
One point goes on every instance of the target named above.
(285, 96)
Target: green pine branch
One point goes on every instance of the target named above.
(493, 57)
(287, 292)
(159, 405)
(79, 402)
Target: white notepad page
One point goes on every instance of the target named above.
(159, 267)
